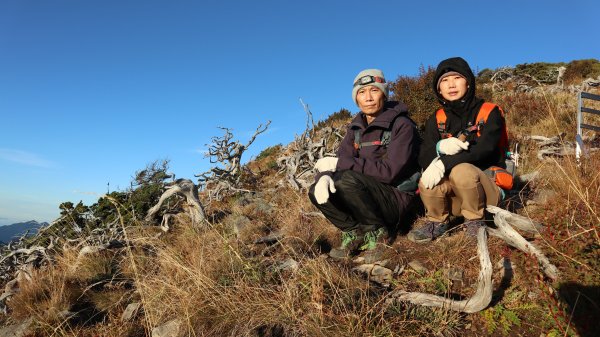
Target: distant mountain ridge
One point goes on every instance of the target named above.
(10, 232)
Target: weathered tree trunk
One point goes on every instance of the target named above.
(480, 300)
(504, 221)
(186, 188)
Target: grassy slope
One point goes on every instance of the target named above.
(221, 284)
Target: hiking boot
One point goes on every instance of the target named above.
(374, 237)
(471, 227)
(350, 241)
(430, 231)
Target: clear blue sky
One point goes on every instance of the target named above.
(91, 91)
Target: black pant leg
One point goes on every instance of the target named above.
(371, 203)
(334, 210)
(360, 201)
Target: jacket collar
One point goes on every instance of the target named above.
(391, 110)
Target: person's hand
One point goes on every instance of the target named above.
(433, 173)
(322, 189)
(326, 164)
(451, 146)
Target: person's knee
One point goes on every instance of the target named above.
(441, 189)
(464, 175)
(347, 180)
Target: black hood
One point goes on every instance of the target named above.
(461, 66)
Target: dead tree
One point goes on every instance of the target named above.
(184, 188)
(300, 156)
(504, 221)
(222, 181)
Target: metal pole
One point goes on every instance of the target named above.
(578, 137)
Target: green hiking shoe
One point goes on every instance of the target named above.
(349, 237)
(372, 238)
(350, 241)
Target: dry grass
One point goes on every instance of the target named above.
(219, 283)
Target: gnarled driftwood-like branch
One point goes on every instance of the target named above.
(187, 189)
(480, 300)
(504, 221)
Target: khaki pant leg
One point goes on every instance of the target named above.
(436, 200)
(473, 190)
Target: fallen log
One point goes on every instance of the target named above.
(504, 221)
(480, 300)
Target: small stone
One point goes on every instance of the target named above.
(17, 330)
(359, 260)
(169, 329)
(289, 264)
(270, 239)
(131, 311)
(378, 274)
(418, 266)
(238, 223)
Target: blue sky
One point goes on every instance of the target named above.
(91, 91)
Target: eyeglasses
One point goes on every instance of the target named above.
(367, 79)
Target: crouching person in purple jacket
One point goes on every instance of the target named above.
(366, 190)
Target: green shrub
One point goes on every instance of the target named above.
(579, 70)
(271, 150)
(343, 115)
(416, 92)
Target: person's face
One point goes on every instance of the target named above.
(453, 87)
(370, 100)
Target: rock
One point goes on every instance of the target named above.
(399, 269)
(238, 223)
(376, 273)
(289, 264)
(541, 197)
(17, 330)
(374, 256)
(418, 266)
(131, 311)
(171, 328)
(270, 239)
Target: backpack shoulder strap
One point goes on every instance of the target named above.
(357, 144)
(485, 110)
(482, 116)
(386, 137)
(440, 119)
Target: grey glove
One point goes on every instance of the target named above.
(322, 189)
(433, 173)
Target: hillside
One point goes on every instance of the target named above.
(250, 258)
(11, 232)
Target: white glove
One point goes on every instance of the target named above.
(433, 173)
(322, 189)
(326, 164)
(451, 146)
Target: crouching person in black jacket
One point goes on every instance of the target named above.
(357, 190)
(464, 141)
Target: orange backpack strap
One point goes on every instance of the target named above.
(482, 116)
(440, 118)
